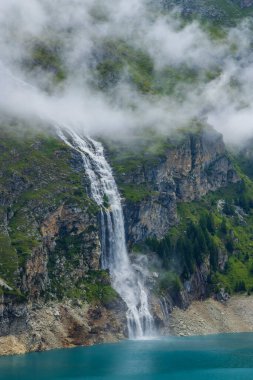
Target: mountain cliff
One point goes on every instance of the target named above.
(186, 170)
(53, 291)
(183, 203)
(50, 246)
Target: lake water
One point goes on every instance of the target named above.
(216, 357)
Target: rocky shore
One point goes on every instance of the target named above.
(62, 325)
(213, 317)
(67, 325)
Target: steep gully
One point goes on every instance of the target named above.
(114, 257)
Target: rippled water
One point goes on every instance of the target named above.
(219, 357)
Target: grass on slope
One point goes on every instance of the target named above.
(36, 176)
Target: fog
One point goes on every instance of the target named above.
(80, 27)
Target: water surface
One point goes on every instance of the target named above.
(216, 357)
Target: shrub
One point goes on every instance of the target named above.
(170, 283)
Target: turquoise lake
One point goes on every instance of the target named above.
(216, 357)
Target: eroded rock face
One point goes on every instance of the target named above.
(152, 217)
(53, 292)
(33, 324)
(163, 303)
(43, 326)
(66, 221)
(191, 168)
(50, 227)
(197, 166)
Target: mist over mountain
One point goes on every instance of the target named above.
(118, 67)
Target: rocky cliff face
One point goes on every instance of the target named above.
(41, 326)
(185, 171)
(49, 223)
(188, 171)
(53, 291)
(50, 249)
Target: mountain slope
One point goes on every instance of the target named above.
(225, 12)
(50, 245)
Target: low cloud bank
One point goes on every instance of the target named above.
(80, 27)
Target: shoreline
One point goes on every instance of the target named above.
(202, 318)
(61, 325)
(213, 317)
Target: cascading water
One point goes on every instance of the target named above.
(114, 252)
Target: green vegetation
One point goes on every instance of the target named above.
(222, 12)
(93, 287)
(24, 235)
(211, 237)
(172, 79)
(38, 175)
(144, 152)
(36, 178)
(96, 287)
(8, 260)
(190, 247)
(170, 282)
(128, 158)
(135, 193)
(122, 59)
(46, 57)
(245, 159)
(40, 164)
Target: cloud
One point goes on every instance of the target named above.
(221, 93)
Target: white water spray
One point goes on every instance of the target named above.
(114, 252)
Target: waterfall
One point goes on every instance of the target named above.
(115, 258)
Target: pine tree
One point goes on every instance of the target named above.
(211, 224)
(223, 227)
(214, 256)
(228, 209)
(230, 245)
